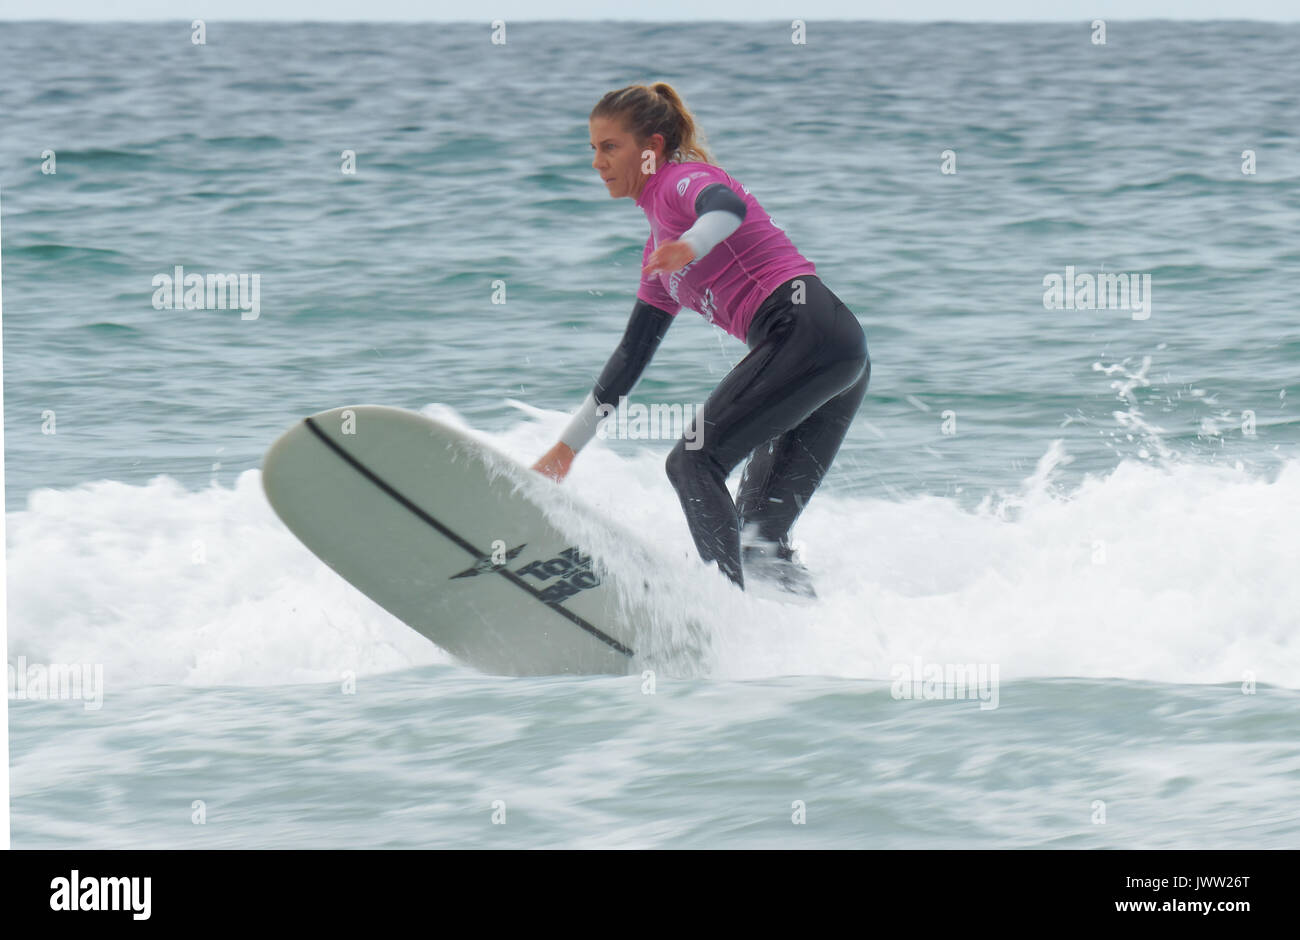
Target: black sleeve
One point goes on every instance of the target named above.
(645, 329)
(718, 196)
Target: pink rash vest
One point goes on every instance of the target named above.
(730, 282)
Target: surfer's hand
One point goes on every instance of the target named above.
(668, 257)
(555, 462)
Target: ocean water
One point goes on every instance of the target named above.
(1099, 508)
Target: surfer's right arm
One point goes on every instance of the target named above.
(645, 330)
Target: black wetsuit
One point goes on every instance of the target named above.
(789, 403)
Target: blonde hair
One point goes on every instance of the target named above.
(644, 110)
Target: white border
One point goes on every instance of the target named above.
(4, 570)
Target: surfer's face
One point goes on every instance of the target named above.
(618, 157)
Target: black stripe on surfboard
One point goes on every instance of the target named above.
(463, 543)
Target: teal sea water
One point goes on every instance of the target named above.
(1103, 504)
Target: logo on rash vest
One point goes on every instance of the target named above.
(686, 181)
(485, 564)
(675, 280)
(567, 573)
(707, 305)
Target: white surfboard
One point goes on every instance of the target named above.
(453, 538)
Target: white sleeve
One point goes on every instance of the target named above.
(709, 230)
(582, 427)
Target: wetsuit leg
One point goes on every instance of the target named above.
(802, 357)
(782, 475)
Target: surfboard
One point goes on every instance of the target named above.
(461, 543)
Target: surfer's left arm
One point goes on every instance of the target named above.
(719, 212)
(645, 330)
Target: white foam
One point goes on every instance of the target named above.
(162, 585)
(1181, 573)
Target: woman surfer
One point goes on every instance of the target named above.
(789, 402)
